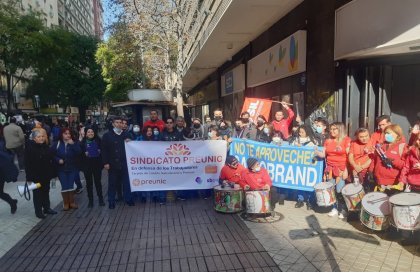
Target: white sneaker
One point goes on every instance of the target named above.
(342, 214)
(333, 212)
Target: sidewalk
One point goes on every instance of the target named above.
(181, 236)
(14, 226)
(308, 241)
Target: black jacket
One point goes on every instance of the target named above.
(39, 164)
(113, 149)
(8, 170)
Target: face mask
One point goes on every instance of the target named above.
(389, 138)
(319, 130)
(210, 134)
(223, 127)
(266, 130)
(136, 129)
(217, 118)
(257, 169)
(245, 120)
(238, 127)
(260, 123)
(155, 132)
(276, 139)
(196, 125)
(117, 130)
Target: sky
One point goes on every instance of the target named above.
(109, 16)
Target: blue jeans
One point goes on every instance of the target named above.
(67, 179)
(339, 205)
(115, 177)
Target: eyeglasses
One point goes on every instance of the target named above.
(169, 122)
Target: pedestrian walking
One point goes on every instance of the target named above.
(8, 173)
(15, 141)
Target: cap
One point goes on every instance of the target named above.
(250, 162)
(231, 160)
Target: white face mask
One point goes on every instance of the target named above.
(136, 129)
(276, 139)
(266, 130)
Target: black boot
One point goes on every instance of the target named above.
(40, 215)
(49, 211)
(13, 206)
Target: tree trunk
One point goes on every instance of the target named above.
(9, 92)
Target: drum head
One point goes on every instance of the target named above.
(351, 189)
(323, 185)
(405, 199)
(376, 203)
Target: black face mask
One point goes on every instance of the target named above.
(238, 127)
(245, 120)
(217, 118)
(196, 125)
(260, 123)
(223, 127)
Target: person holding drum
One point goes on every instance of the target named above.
(257, 178)
(335, 152)
(231, 172)
(389, 159)
(360, 155)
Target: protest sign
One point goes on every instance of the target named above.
(257, 106)
(288, 166)
(158, 166)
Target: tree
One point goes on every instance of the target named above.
(163, 28)
(121, 62)
(21, 43)
(73, 78)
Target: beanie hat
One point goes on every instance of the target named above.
(231, 160)
(250, 162)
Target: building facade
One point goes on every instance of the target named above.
(47, 7)
(343, 60)
(97, 18)
(76, 16)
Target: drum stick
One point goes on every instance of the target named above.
(377, 200)
(297, 108)
(281, 102)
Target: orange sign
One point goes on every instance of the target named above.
(257, 106)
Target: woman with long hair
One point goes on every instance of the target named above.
(92, 164)
(66, 155)
(336, 150)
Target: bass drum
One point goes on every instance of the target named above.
(405, 209)
(325, 194)
(353, 194)
(228, 200)
(257, 202)
(375, 211)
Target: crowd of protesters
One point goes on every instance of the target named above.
(81, 149)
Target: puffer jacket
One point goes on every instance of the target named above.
(409, 174)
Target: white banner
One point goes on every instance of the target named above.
(159, 166)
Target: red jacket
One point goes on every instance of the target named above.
(255, 180)
(232, 174)
(410, 175)
(283, 125)
(158, 123)
(384, 175)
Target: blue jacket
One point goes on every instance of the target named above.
(70, 154)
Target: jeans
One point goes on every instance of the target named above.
(93, 174)
(340, 204)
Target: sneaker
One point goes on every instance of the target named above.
(79, 190)
(342, 214)
(181, 198)
(162, 203)
(333, 212)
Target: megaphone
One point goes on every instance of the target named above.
(24, 190)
